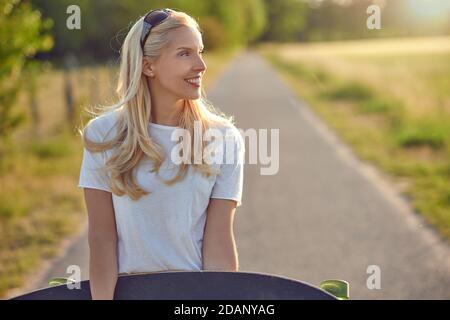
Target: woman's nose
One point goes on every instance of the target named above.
(201, 65)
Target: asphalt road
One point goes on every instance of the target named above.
(325, 214)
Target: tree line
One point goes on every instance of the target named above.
(34, 31)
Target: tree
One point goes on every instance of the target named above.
(104, 24)
(22, 34)
(285, 19)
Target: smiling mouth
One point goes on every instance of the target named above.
(194, 81)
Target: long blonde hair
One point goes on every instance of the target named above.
(132, 140)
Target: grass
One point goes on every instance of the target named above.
(389, 100)
(352, 91)
(433, 132)
(40, 203)
(55, 147)
(412, 70)
(374, 105)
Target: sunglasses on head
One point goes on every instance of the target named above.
(153, 18)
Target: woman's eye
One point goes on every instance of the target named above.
(186, 52)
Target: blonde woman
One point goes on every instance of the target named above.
(146, 212)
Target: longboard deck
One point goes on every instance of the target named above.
(192, 285)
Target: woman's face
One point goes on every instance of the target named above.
(179, 61)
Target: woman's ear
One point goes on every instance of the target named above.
(147, 67)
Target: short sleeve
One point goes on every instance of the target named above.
(92, 174)
(229, 182)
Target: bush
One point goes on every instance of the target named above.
(430, 132)
(23, 34)
(377, 106)
(352, 91)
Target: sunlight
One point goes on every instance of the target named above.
(429, 8)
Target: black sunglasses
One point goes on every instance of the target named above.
(152, 19)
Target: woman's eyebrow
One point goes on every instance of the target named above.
(187, 48)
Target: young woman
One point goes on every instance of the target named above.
(148, 213)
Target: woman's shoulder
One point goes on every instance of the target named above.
(102, 127)
(229, 132)
(226, 126)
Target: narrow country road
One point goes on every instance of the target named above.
(324, 214)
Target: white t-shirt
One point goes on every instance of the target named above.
(162, 230)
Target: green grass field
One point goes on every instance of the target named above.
(40, 203)
(388, 99)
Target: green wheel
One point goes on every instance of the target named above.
(338, 288)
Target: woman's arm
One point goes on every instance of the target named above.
(103, 264)
(219, 247)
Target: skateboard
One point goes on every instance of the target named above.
(197, 285)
